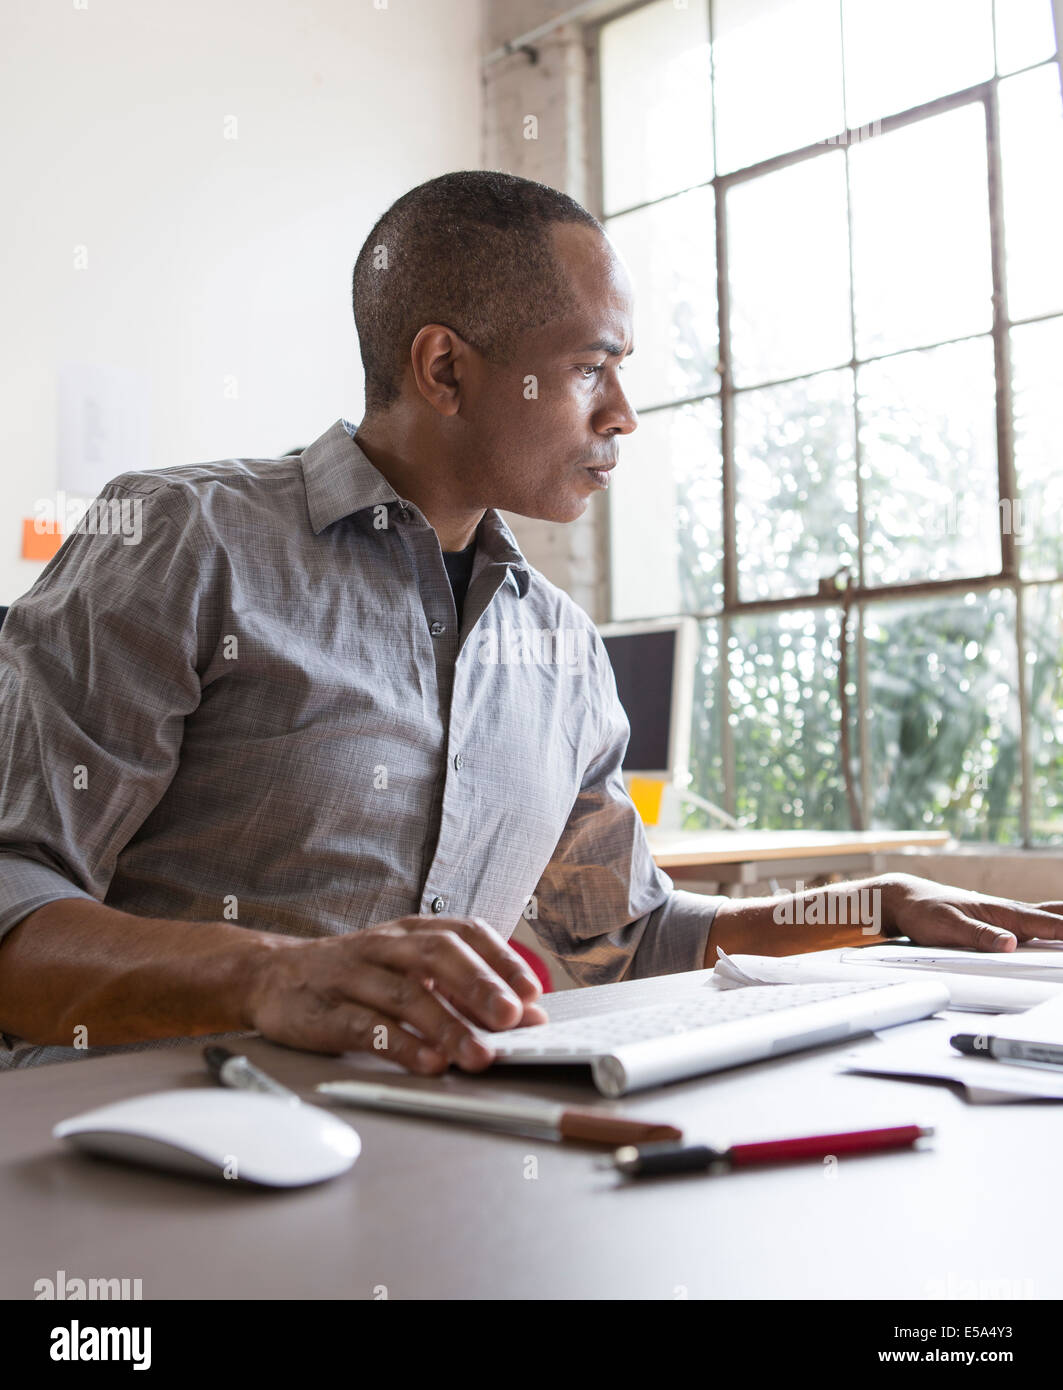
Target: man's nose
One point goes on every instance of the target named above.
(619, 415)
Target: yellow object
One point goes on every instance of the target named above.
(646, 793)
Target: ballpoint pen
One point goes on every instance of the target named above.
(519, 1115)
(656, 1160)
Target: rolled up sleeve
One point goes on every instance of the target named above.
(602, 906)
(97, 674)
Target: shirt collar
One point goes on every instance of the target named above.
(340, 481)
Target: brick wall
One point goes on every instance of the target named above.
(558, 90)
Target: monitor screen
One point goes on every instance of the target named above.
(644, 666)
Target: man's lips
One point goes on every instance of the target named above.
(599, 472)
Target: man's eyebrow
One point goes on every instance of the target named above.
(607, 345)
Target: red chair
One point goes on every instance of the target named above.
(538, 965)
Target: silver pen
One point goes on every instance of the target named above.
(232, 1069)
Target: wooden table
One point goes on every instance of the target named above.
(735, 859)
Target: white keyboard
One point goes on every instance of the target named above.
(602, 1032)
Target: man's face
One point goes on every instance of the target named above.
(539, 428)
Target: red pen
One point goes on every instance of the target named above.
(652, 1160)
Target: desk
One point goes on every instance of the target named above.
(440, 1211)
(738, 858)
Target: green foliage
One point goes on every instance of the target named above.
(941, 701)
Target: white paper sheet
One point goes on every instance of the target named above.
(1031, 960)
(973, 992)
(923, 1050)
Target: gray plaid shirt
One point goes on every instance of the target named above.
(241, 693)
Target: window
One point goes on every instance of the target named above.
(844, 222)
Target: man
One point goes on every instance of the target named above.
(299, 759)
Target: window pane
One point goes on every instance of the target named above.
(778, 77)
(670, 250)
(1037, 371)
(795, 485)
(656, 77)
(1043, 617)
(944, 719)
(1031, 152)
(930, 482)
(785, 717)
(900, 53)
(789, 271)
(665, 510)
(706, 757)
(921, 257)
(1025, 33)
(698, 520)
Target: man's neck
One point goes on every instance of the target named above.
(431, 490)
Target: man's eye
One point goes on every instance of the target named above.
(599, 367)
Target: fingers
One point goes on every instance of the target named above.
(533, 1014)
(942, 924)
(486, 942)
(457, 972)
(340, 1026)
(417, 991)
(362, 1029)
(1029, 920)
(398, 994)
(982, 936)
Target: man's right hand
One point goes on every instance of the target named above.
(377, 989)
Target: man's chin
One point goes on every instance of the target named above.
(571, 509)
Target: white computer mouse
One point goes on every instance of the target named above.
(241, 1136)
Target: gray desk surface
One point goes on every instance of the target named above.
(441, 1211)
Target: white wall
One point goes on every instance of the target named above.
(207, 258)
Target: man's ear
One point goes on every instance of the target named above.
(438, 360)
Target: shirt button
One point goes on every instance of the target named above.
(404, 513)
(438, 904)
(438, 629)
(459, 762)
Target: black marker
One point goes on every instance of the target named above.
(1021, 1054)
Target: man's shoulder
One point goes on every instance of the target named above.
(235, 478)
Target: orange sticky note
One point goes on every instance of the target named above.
(40, 545)
(646, 793)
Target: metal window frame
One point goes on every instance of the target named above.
(861, 595)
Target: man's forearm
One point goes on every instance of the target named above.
(73, 965)
(820, 919)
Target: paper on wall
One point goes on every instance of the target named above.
(104, 425)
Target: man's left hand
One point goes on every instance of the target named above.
(933, 914)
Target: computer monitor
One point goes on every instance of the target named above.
(654, 667)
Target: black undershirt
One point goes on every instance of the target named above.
(459, 570)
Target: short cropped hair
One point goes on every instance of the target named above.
(470, 250)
